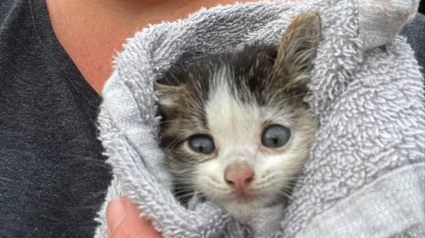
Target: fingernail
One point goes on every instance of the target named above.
(117, 210)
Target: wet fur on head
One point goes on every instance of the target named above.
(232, 98)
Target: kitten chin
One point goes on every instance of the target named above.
(235, 127)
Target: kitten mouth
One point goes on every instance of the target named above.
(244, 197)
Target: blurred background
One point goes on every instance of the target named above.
(422, 7)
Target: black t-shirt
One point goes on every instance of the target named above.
(52, 175)
(415, 32)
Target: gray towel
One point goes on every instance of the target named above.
(366, 173)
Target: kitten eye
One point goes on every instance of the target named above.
(201, 144)
(275, 136)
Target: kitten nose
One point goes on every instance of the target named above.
(239, 175)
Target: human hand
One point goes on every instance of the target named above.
(124, 221)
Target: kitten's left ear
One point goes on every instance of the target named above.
(168, 92)
(298, 49)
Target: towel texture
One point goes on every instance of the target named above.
(366, 172)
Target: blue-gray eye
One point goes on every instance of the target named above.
(201, 144)
(275, 136)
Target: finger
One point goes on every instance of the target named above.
(132, 226)
(115, 213)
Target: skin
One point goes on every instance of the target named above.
(91, 32)
(124, 221)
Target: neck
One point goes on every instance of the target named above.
(91, 32)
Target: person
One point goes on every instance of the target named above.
(55, 57)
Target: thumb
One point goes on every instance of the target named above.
(124, 221)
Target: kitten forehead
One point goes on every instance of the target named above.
(228, 117)
(235, 124)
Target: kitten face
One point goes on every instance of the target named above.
(235, 127)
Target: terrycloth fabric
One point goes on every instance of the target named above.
(366, 173)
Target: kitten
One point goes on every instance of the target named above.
(235, 127)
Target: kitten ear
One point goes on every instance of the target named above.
(298, 49)
(167, 96)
